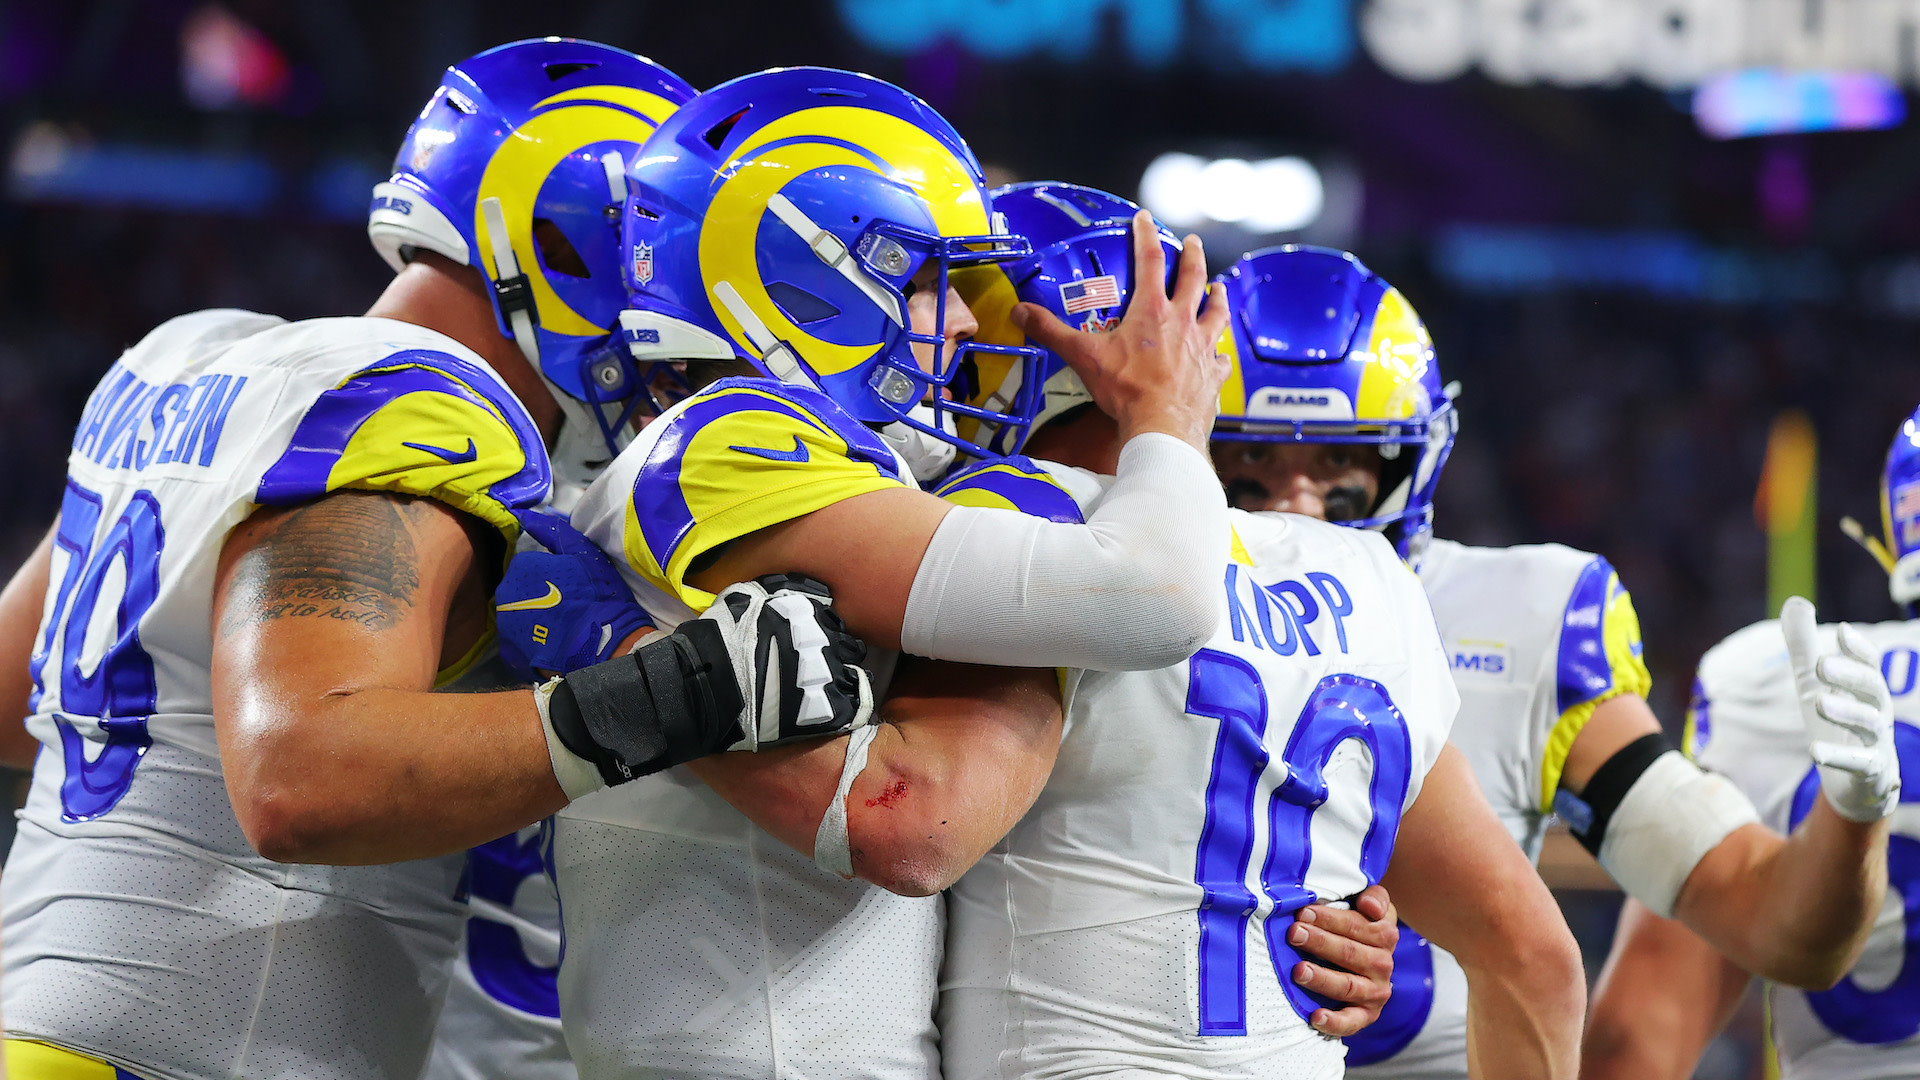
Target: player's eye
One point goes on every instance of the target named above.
(1340, 457)
(1254, 453)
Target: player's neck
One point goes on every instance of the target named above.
(1088, 439)
(441, 295)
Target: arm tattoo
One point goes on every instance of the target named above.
(349, 556)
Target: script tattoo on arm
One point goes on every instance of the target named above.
(350, 556)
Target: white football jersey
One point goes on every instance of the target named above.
(697, 945)
(1745, 723)
(1537, 636)
(1132, 923)
(140, 926)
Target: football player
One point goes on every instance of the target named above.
(276, 539)
(1114, 930)
(804, 221)
(1666, 991)
(1321, 417)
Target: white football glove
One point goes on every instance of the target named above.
(797, 666)
(1849, 716)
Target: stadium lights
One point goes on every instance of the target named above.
(1276, 195)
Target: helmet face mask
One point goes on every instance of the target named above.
(1326, 352)
(793, 216)
(516, 167)
(1080, 268)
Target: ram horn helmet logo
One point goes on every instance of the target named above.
(643, 263)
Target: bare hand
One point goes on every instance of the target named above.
(1359, 944)
(1159, 370)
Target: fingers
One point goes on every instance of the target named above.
(1349, 1021)
(1858, 760)
(1855, 644)
(1365, 998)
(1149, 261)
(1376, 904)
(1213, 319)
(1191, 285)
(1803, 643)
(1378, 933)
(1045, 329)
(1851, 692)
(1349, 955)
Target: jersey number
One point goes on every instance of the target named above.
(118, 693)
(1891, 1014)
(1227, 688)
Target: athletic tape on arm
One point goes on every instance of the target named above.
(1135, 588)
(1650, 815)
(832, 848)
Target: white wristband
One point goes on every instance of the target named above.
(577, 775)
(832, 848)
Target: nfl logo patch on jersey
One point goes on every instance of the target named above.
(643, 263)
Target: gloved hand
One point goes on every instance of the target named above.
(563, 608)
(797, 665)
(770, 661)
(1848, 713)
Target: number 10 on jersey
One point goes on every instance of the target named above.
(1227, 688)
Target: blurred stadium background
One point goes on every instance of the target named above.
(1640, 230)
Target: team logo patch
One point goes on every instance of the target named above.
(1097, 325)
(1099, 292)
(643, 263)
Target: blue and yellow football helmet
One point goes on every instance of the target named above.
(517, 167)
(781, 218)
(1900, 515)
(1081, 269)
(1324, 351)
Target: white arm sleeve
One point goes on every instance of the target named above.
(1137, 587)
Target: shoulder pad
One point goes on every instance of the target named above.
(739, 456)
(1600, 647)
(1013, 483)
(420, 422)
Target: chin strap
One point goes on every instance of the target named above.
(510, 287)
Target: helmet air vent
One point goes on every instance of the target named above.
(718, 133)
(800, 305)
(459, 103)
(835, 91)
(561, 69)
(556, 251)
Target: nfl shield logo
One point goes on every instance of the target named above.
(643, 263)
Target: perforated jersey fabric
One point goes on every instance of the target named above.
(694, 958)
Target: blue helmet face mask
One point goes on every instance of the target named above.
(1324, 351)
(790, 218)
(1080, 269)
(517, 168)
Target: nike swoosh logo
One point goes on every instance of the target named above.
(798, 453)
(552, 598)
(457, 457)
